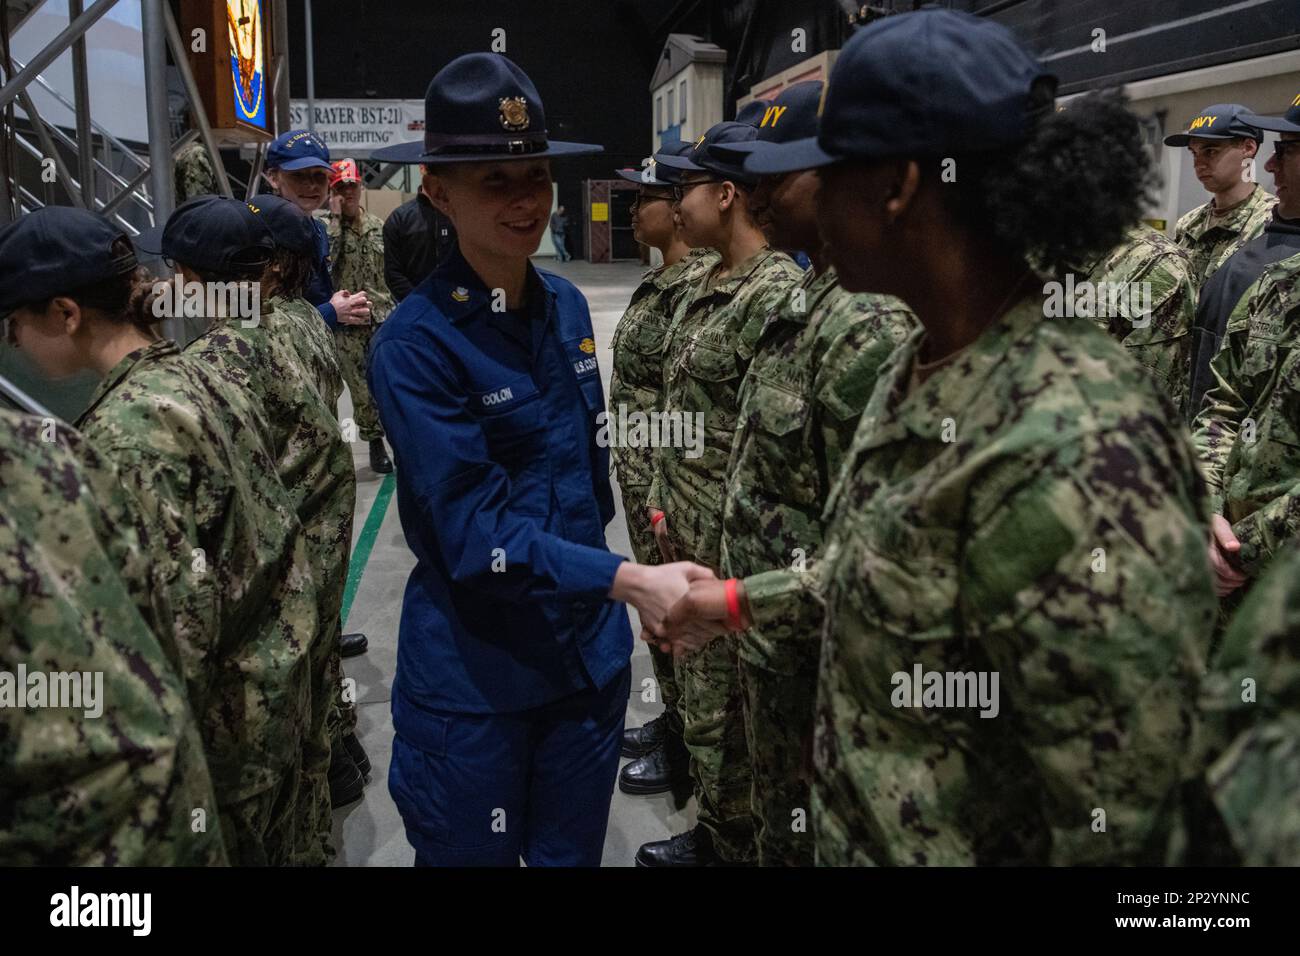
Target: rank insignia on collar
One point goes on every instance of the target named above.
(514, 113)
(460, 294)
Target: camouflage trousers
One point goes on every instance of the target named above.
(778, 729)
(646, 551)
(714, 730)
(352, 342)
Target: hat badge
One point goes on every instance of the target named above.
(514, 113)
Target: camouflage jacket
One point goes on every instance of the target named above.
(1252, 701)
(311, 458)
(1032, 510)
(120, 787)
(815, 365)
(637, 378)
(229, 555)
(1248, 428)
(194, 174)
(1160, 339)
(1210, 245)
(357, 262)
(314, 344)
(708, 352)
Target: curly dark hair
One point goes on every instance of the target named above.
(286, 274)
(1068, 194)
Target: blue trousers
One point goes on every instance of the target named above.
(561, 252)
(489, 789)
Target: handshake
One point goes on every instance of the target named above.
(683, 606)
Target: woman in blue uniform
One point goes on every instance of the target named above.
(512, 672)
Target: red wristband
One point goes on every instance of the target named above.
(657, 517)
(733, 606)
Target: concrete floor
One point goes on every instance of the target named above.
(369, 832)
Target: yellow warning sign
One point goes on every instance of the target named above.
(600, 212)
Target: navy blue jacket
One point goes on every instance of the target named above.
(1223, 291)
(504, 496)
(320, 287)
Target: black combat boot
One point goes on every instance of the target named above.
(664, 769)
(350, 645)
(692, 848)
(346, 783)
(379, 461)
(357, 753)
(639, 741)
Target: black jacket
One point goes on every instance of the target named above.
(1220, 295)
(416, 239)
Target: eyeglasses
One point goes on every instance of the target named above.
(639, 200)
(1284, 146)
(679, 191)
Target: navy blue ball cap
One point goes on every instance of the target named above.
(932, 82)
(481, 107)
(751, 113)
(1221, 121)
(213, 235)
(647, 175)
(55, 250)
(704, 157)
(298, 149)
(1288, 122)
(789, 118)
(290, 227)
(664, 173)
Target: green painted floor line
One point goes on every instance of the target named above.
(366, 543)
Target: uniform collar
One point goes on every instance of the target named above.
(123, 369)
(740, 274)
(1236, 220)
(815, 288)
(460, 294)
(664, 276)
(954, 388)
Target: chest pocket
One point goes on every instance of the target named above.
(710, 361)
(515, 430)
(777, 422)
(645, 335)
(1282, 421)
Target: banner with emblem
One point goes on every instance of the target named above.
(352, 128)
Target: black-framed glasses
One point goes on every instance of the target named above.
(679, 191)
(1284, 146)
(641, 200)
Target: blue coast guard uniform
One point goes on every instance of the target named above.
(512, 670)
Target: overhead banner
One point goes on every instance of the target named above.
(352, 128)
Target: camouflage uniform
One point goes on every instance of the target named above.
(1163, 343)
(708, 351)
(1210, 243)
(315, 466)
(118, 789)
(314, 344)
(814, 368)
(227, 554)
(982, 553)
(1248, 428)
(636, 385)
(194, 174)
(1255, 782)
(357, 257)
